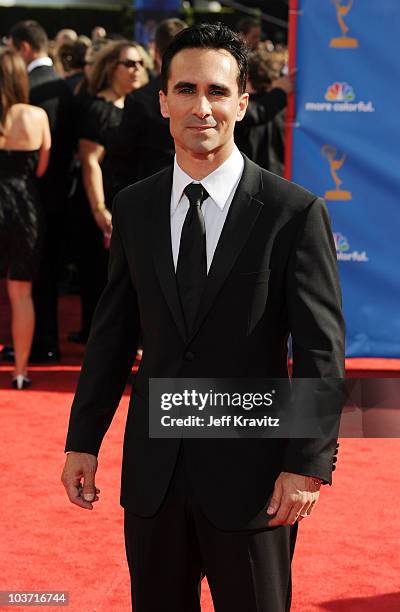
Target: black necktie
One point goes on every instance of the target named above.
(191, 270)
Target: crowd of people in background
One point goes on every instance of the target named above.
(80, 120)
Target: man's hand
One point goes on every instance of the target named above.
(293, 499)
(80, 466)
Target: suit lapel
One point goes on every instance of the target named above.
(162, 247)
(242, 215)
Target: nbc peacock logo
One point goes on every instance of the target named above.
(340, 97)
(340, 92)
(344, 253)
(341, 242)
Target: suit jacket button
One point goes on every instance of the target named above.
(189, 356)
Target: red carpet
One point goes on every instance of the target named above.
(347, 558)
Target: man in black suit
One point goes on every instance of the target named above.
(142, 143)
(252, 134)
(258, 135)
(217, 261)
(50, 92)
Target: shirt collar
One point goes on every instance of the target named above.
(39, 61)
(219, 183)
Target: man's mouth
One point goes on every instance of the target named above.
(201, 127)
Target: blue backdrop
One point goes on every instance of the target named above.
(149, 13)
(346, 143)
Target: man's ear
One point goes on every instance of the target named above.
(26, 52)
(242, 107)
(164, 105)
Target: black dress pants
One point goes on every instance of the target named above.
(247, 570)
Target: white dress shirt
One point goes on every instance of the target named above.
(221, 185)
(39, 61)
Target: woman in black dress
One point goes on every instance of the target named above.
(118, 69)
(24, 152)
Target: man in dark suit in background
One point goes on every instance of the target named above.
(256, 135)
(51, 93)
(142, 144)
(217, 261)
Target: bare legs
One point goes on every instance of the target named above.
(22, 322)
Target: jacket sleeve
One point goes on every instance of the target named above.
(317, 328)
(109, 356)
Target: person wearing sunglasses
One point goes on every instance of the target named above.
(142, 144)
(117, 70)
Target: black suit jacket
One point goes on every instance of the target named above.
(142, 144)
(50, 92)
(273, 273)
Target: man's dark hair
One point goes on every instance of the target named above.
(30, 32)
(248, 23)
(165, 32)
(208, 36)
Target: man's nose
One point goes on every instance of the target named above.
(202, 107)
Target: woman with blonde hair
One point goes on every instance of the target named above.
(117, 70)
(24, 153)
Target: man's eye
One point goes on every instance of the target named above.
(185, 90)
(217, 92)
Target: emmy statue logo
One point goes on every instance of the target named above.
(343, 41)
(335, 164)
